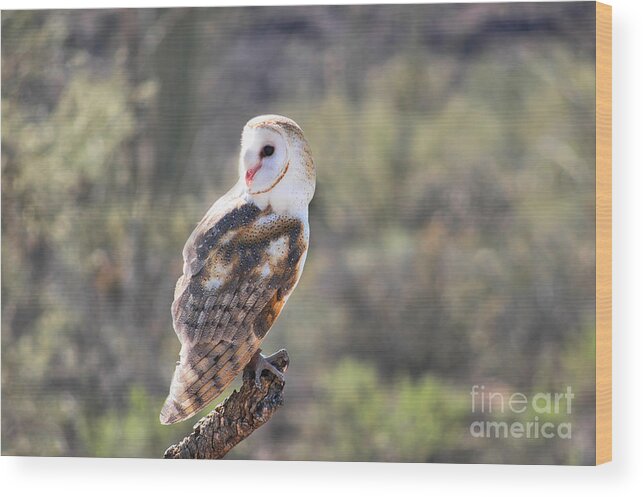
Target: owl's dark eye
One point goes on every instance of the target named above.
(267, 151)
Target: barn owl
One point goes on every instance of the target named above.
(241, 264)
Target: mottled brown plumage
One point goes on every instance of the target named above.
(241, 264)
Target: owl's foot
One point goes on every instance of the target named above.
(276, 363)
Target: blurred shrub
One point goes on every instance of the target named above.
(363, 416)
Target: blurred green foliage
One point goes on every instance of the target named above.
(452, 231)
(131, 432)
(379, 420)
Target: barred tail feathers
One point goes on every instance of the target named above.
(202, 374)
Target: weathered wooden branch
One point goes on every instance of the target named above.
(235, 418)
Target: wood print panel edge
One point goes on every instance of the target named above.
(603, 233)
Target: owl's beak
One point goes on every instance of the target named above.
(250, 173)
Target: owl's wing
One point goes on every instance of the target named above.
(239, 271)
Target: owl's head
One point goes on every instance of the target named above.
(275, 164)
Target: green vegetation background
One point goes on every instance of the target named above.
(452, 228)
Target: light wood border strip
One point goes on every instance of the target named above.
(603, 233)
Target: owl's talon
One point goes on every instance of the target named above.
(258, 379)
(261, 363)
